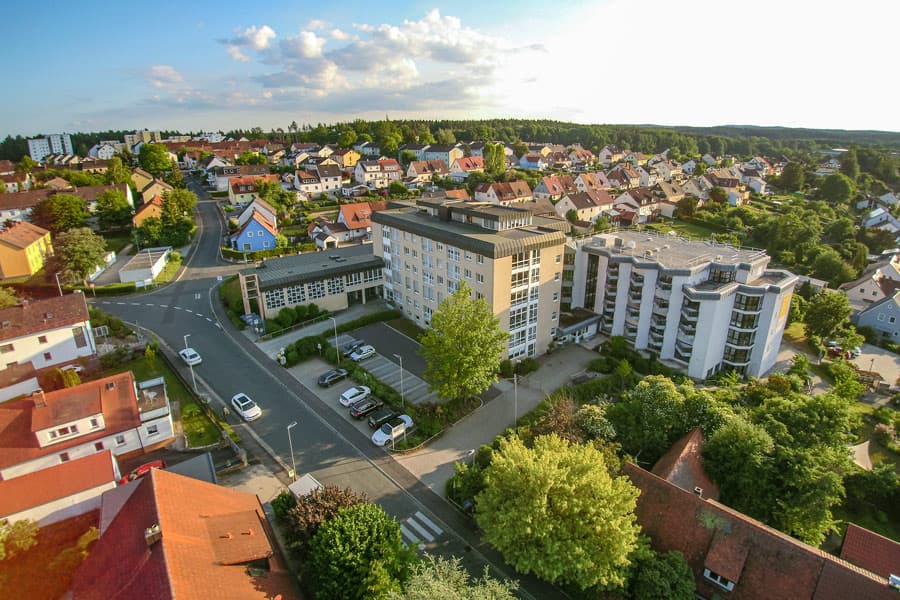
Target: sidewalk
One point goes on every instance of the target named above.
(434, 464)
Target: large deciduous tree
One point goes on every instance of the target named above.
(436, 577)
(464, 346)
(850, 164)
(358, 554)
(78, 252)
(494, 159)
(312, 510)
(117, 172)
(554, 510)
(665, 576)
(827, 312)
(837, 189)
(113, 210)
(60, 212)
(154, 158)
(792, 177)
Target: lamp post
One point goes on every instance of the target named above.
(58, 284)
(190, 366)
(337, 350)
(402, 401)
(291, 446)
(516, 402)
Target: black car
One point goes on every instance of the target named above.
(363, 407)
(381, 416)
(333, 376)
(351, 347)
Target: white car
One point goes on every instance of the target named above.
(362, 353)
(392, 430)
(190, 356)
(77, 368)
(354, 394)
(247, 408)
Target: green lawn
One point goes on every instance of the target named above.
(169, 271)
(117, 242)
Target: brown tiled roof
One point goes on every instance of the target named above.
(7, 166)
(683, 465)
(209, 534)
(24, 199)
(871, 551)
(58, 183)
(22, 234)
(56, 482)
(429, 166)
(559, 184)
(41, 315)
(20, 418)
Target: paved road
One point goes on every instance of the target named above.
(324, 443)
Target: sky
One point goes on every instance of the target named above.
(192, 66)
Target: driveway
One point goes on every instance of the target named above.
(879, 360)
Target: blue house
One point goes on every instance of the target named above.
(255, 234)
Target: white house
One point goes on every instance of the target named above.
(377, 173)
(445, 153)
(689, 167)
(461, 167)
(648, 176)
(888, 199)
(46, 333)
(308, 182)
(533, 162)
(103, 150)
(587, 205)
(367, 148)
(757, 185)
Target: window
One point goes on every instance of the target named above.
(468, 274)
(274, 299)
(296, 294)
(881, 316)
(479, 278)
(335, 285)
(453, 253)
(479, 259)
(49, 355)
(556, 296)
(6, 348)
(98, 446)
(518, 317)
(95, 423)
(468, 256)
(64, 457)
(718, 580)
(120, 440)
(153, 429)
(316, 290)
(478, 295)
(556, 277)
(553, 316)
(558, 258)
(42, 339)
(892, 319)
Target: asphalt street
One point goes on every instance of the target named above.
(324, 443)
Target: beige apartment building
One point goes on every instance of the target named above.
(507, 256)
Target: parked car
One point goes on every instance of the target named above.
(362, 353)
(351, 347)
(381, 416)
(77, 368)
(247, 408)
(190, 356)
(835, 351)
(392, 430)
(360, 409)
(142, 470)
(331, 377)
(354, 394)
(856, 352)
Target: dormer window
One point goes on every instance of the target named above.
(719, 580)
(110, 385)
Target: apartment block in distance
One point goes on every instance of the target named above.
(57, 143)
(708, 307)
(507, 256)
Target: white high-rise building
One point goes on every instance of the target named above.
(56, 143)
(706, 306)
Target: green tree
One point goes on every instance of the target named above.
(358, 554)
(17, 537)
(347, 138)
(117, 172)
(177, 205)
(687, 206)
(737, 457)
(829, 265)
(437, 577)
(494, 159)
(113, 210)
(718, 194)
(572, 215)
(464, 346)
(398, 189)
(8, 297)
(251, 158)
(665, 576)
(850, 164)
(519, 149)
(311, 510)
(554, 510)
(150, 233)
(648, 418)
(154, 158)
(445, 137)
(792, 177)
(78, 252)
(837, 189)
(60, 212)
(827, 312)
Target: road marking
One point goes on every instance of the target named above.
(177, 307)
(120, 303)
(199, 315)
(164, 306)
(135, 303)
(424, 532)
(411, 539)
(208, 319)
(189, 310)
(148, 304)
(197, 296)
(429, 522)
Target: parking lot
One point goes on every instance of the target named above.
(879, 360)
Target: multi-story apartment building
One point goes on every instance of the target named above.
(507, 256)
(56, 143)
(706, 306)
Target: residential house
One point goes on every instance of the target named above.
(312, 163)
(558, 160)
(554, 187)
(308, 182)
(503, 193)
(592, 181)
(689, 167)
(346, 158)
(156, 187)
(636, 159)
(61, 185)
(883, 316)
(266, 210)
(140, 178)
(16, 182)
(698, 187)
(151, 208)
(588, 205)
(445, 153)
(111, 413)
(610, 155)
(461, 167)
(881, 219)
(91, 193)
(357, 218)
(648, 176)
(169, 536)
(242, 190)
(328, 234)
(477, 148)
(220, 177)
(255, 234)
(212, 162)
(760, 164)
(710, 160)
(888, 199)
(581, 157)
(377, 173)
(643, 200)
(417, 149)
(367, 149)
(59, 492)
(533, 162)
(757, 185)
(425, 170)
(667, 170)
(24, 249)
(670, 192)
(623, 177)
(7, 167)
(103, 150)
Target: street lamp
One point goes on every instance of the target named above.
(338, 350)
(291, 445)
(58, 285)
(402, 401)
(516, 402)
(190, 366)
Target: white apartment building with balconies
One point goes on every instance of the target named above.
(707, 307)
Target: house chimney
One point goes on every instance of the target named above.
(152, 534)
(40, 401)
(699, 491)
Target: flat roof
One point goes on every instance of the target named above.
(145, 259)
(313, 266)
(672, 251)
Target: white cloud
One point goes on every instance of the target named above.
(257, 37)
(337, 34)
(165, 77)
(316, 24)
(305, 45)
(236, 54)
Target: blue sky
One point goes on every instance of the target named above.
(196, 65)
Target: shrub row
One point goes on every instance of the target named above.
(523, 367)
(272, 252)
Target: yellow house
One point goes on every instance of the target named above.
(23, 250)
(153, 208)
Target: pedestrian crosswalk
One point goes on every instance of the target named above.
(419, 529)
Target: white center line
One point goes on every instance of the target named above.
(189, 310)
(148, 304)
(164, 306)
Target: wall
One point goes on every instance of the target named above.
(64, 508)
(60, 344)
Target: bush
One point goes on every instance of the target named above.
(884, 434)
(506, 368)
(118, 357)
(282, 503)
(526, 366)
(601, 365)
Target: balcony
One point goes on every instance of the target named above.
(654, 346)
(739, 344)
(681, 357)
(736, 362)
(744, 327)
(662, 293)
(660, 310)
(688, 314)
(635, 295)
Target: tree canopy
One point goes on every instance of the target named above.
(464, 346)
(154, 158)
(8, 297)
(78, 252)
(837, 189)
(60, 212)
(436, 577)
(828, 312)
(113, 210)
(554, 510)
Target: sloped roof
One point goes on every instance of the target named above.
(871, 551)
(22, 235)
(258, 218)
(683, 465)
(470, 163)
(357, 216)
(34, 316)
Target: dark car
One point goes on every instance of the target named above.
(381, 416)
(351, 347)
(363, 407)
(331, 377)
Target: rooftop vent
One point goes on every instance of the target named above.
(152, 534)
(110, 385)
(5, 324)
(698, 491)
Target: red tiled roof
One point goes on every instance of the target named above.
(683, 465)
(429, 166)
(470, 163)
(358, 215)
(22, 235)
(42, 315)
(20, 418)
(59, 481)
(7, 166)
(258, 218)
(871, 551)
(209, 534)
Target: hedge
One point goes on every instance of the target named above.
(377, 317)
(110, 289)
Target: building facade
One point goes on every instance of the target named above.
(507, 256)
(708, 307)
(56, 143)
